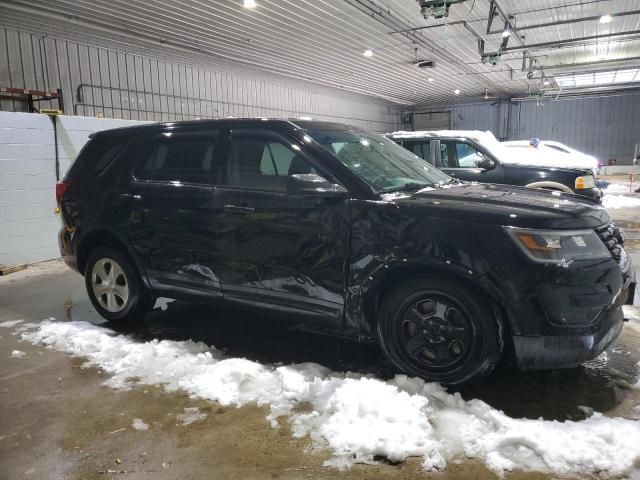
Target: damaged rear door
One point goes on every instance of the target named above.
(171, 197)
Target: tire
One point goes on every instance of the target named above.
(439, 330)
(115, 287)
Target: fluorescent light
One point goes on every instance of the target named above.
(506, 33)
(250, 4)
(597, 79)
(605, 18)
(305, 117)
(429, 79)
(457, 91)
(368, 53)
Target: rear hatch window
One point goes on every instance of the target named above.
(97, 155)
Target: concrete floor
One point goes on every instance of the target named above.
(58, 421)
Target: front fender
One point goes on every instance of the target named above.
(396, 245)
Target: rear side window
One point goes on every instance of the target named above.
(181, 158)
(97, 155)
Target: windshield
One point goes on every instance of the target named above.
(379, 161)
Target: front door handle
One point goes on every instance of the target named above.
(238, 209)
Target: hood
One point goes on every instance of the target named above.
(547, 157)
(506, 205)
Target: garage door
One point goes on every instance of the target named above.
(432, 121)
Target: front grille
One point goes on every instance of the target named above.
(613, 238)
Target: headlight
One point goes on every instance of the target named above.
(557, 246)
(585, 182)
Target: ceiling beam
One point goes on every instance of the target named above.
(569, 21)
(566, 42)
(562, 66)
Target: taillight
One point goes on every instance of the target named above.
(61, 188)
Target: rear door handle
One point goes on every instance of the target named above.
(238, 209)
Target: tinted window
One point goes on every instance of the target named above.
(98, 154)
(261, 162)
(468, 156)
(183, 158)
(420, 149)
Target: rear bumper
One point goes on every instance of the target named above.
(66, 250)
(563, 351)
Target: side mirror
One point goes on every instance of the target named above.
(312, 184)
(486, 163)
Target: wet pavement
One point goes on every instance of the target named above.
(57, 418)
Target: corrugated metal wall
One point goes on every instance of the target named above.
(479, 117)
(100, 81)
(607, 127)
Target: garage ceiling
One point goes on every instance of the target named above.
(323, 41)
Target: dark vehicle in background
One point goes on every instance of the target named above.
(479, 157)
(348, 233)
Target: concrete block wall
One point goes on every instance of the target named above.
(28, 224)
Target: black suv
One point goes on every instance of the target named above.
(479, 157)
(348, 232)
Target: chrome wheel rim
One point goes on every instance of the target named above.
(110, 285)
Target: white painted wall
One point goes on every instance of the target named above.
(28, 224)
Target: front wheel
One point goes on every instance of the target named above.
(440, 331)
(114, 286)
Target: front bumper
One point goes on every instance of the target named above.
(564, 351)
(570, 350)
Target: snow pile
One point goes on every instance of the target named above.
(620, 201)
(18, 354)
(618, 188)
(191, 415)
(359, 417)
(139, 425)
(617, 195)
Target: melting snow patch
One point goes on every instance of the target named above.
(191, 415)
(18, 354)
(139, 425)
(11, 323)
(620, 201)
(359, 417)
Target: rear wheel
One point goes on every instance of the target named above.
(440, 331)
(114, 286)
